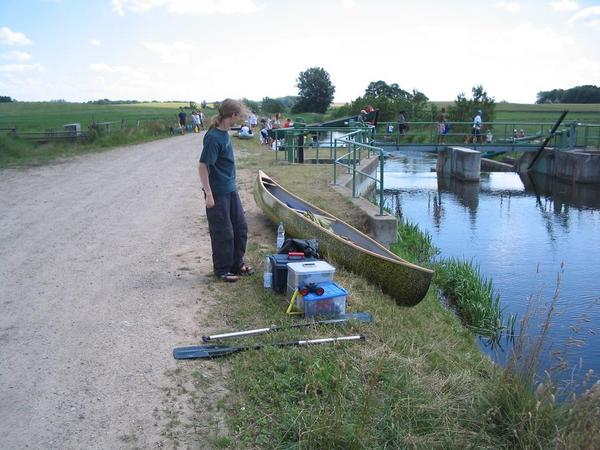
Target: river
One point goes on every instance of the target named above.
(524, 233)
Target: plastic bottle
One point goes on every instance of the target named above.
(280, 235)
(268, 275)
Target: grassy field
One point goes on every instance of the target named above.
(520, 112)
(38, 116)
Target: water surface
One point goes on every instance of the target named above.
(523, 232)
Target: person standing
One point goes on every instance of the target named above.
(477, 124)
(226, 218)
(442, 127)
(402, 122)
(182, 118)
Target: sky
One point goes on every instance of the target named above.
(212, 49)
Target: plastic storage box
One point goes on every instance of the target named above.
(279, 267)
(331, 304)
(307, 272)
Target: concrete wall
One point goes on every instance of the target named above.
(384, 229)
(577, 166)
(490, 165)
(462, 163)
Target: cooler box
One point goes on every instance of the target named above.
(279, 267)
(307, 272)
(331, 304)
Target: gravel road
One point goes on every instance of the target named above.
(101, 258)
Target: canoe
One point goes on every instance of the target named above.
(405, 282)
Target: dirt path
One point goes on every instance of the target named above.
(102, 262)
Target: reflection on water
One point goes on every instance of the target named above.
(520, 230)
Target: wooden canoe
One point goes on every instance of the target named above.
(407, 283)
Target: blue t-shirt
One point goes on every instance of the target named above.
(217, 154)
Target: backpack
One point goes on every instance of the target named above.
(310, 247)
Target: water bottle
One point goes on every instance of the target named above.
(268, 275)
(280, 235)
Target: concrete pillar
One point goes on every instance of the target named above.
(462, 163)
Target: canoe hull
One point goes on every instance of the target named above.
(403, 281)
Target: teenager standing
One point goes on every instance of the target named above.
(226, 218)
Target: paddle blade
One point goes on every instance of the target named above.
(204, 351)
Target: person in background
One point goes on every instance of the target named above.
(202, 118)
(252, 120)
(264, 135)
(489, 137)
(442, 127)
(288, 123)
(182, 116)
(277, 121)
(402, 122)
(476, 130)
(226, 218)
(196, 122)
(245, 131)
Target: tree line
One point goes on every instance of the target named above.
(578, 94)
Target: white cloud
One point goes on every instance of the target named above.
(7, 36)
(95, 42)
(16, 56)
(186, 6)
(20, 68)
(588, 16)
(348, 4)
(176, 53)
(508, 6)
(564, 6)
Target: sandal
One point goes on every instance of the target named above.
(245, 270)
(229, 277)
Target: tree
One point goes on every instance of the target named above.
(5, 99)
(315, 91)
(390, 100)
(464, 109)
(577, 94)
(252, 105)
(272, 105)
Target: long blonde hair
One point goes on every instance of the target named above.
(228, 108)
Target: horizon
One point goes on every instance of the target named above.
(200, 49)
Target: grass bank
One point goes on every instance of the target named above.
(15, 151)
(419, 381)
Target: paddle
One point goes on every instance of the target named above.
(341, 320)
(216, 351)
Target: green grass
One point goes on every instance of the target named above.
(21, 152)
(523, 112)
(39, 116)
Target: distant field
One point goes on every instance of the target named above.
(521, 112)
(38, 116)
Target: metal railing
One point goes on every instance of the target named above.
(356, 142)
(516, 134)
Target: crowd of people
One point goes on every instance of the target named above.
(196, 125)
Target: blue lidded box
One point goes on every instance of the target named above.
(331, 304)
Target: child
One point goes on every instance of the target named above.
(226, 219)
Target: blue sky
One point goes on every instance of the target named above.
(212, 49)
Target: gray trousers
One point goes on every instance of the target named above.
(228, 233)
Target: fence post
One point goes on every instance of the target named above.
(381, 164)
(353, 169)
(334, 162)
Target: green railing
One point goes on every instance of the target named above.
(356, 142)
(517, 134)
(296, 142)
